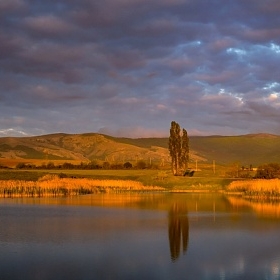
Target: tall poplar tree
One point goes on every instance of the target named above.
(185, 151)
(178, 148)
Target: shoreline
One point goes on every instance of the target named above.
(54, 184)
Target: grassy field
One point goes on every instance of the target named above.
(204, 179)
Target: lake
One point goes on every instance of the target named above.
(139, 236)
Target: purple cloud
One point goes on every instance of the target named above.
(130, 67)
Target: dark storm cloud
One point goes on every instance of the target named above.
(129, 67)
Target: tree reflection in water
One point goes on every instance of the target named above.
(178, 230)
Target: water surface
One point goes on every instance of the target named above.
(139, 236)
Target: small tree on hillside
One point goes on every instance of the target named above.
(178, 148)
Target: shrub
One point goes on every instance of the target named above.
(141, 164)
(20, 165)
(127, 165)
(106, 165)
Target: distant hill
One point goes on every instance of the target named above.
(249, 149)
(83, 147)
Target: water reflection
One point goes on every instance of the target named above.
(178, 230)
(262, 208)
(139, 236)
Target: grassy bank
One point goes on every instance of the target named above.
(74, 182)
(202, 180)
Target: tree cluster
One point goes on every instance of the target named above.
(268, 171)
(88, 166)
(178, 145)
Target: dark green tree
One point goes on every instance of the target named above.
(174, 144)
(185, 150)
(178, 148)
(127, 165)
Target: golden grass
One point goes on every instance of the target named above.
(259, 187)
(52, 185)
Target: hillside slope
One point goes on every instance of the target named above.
(248, 149)
(252, 149)
(84, 147)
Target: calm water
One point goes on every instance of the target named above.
(159, 236)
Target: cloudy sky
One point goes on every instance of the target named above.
(130, 67)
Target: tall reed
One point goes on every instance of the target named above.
(260, 187)
(55, 186)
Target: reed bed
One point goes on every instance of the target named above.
(52, 185)
(256, 188)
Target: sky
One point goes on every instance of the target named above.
(128, 68)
